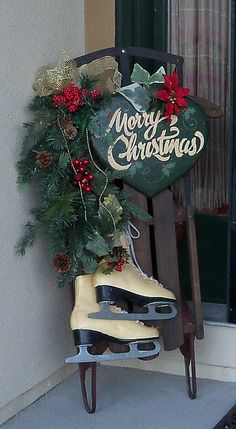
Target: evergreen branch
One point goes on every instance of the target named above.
(36, 131)
(57, 243)
(26, 169)
(41, 103)
(86, 82)
(138, 212)
(59, 208)
(50, 184)
(82, 118)
(56, 208)
(67, 216)
(27, 239)
(55, 139)
(62, 222)
(67, 278)
(63, 161)
(131, 208)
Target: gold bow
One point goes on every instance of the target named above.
(50, 79)
(105, 70)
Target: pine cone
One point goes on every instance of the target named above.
(68, 128)
(61, 263)
(44, 159)
(70, 131)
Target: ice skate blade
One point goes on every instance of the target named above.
(153, 313)
(133, 353)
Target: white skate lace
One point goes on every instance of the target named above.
(150, 279)
(130, 236)
(119, 310)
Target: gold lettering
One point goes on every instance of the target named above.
(130, 148)
(153, 122)
(111, 159)
(178, 152)
(161, 147)
(201, 138)
(139, 119)
(193, 148)
(132, 123)
(142, 147)
(149, 149)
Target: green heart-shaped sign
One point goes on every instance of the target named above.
(145, 150)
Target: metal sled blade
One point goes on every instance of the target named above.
(133, 353)
(156, 311)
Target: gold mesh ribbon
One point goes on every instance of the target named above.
(51, 79)
(105, 70)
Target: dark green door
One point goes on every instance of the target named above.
(142, 23)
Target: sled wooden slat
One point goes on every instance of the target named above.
(194, 272)
(142, 245)
(167, 264)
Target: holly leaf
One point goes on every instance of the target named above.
(137, 165)
(88, 263)
(110, 207)
(157, 77)
(189, 112)
(95, 128)
(139, 75)
(108, 138)
(166, 172)
(137, 96)
(167, 169)
(142, 76)
(98, 246)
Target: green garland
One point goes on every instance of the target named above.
(82, 222)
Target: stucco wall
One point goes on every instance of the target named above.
(34, 314)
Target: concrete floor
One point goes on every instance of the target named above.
(129, 399)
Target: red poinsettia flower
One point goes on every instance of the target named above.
(173, 95)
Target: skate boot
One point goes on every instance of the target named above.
(132, 286)
(90, 332)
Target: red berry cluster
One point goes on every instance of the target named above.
(119, 264)
(82, 176)
(72, 97)
(95, 94)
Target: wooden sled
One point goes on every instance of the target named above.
(158, 252)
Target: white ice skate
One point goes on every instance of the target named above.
(132, 286)
(90, 332)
